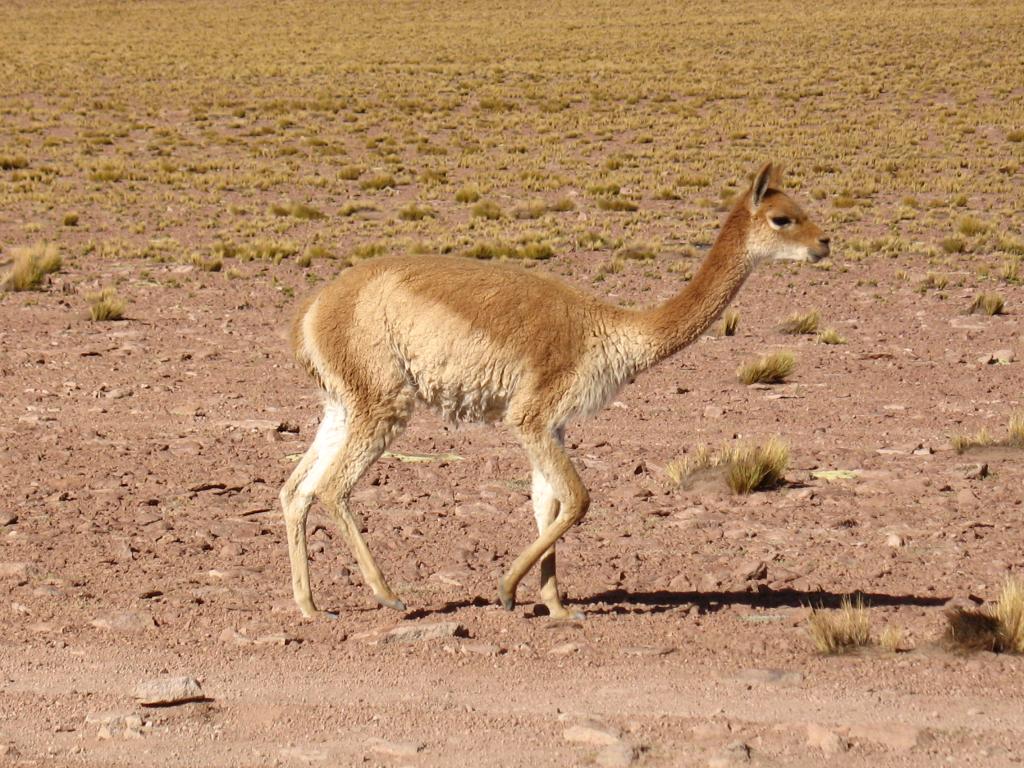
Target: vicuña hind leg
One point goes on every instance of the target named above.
(297, 497)
(554, 466)
(366, 441)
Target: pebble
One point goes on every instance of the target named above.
(752, 570)
(592, 732)
(413, 633)
(564, 649)
(617, 755)
(895, 736)
(483, 649)
(734, 753)
(15, 570)
(973, 471)
(825, 739)
(126, 621)
(7, 518)
(895, 540)
(167, 691)
(394, 748)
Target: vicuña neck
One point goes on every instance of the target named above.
(673, 325)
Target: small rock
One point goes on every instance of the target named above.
(734, 753)
(9, 750)
(126, 621)
(592, 732)
(752, 570)
(710, 732)
(780, 677)
(828, 741)
(167, 691)
(231, 635)
(394, 748)
(7, 518)
(15, 570)
(896, 736)
(413, 633)
(647, 650)
(617, 755)
(895, 540)
(482, 649)
(564, 649)
(973, 471)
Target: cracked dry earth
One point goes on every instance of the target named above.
(141, 538)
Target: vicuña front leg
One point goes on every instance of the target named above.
(571, 499)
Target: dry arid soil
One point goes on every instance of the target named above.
(213, 162)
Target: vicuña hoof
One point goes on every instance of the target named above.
(508, 600)
(393, 602)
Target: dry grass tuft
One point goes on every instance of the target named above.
(757, 467)
(831, 336)
(470, 193)
(746, 468)
(770, 369)
(487, 209)
(842, 630)
(892, 639)
(105, 305)
(799, 324)
(998, 628)
(730, 322)
(962, 443)
(616, 203)
(987, 304)
(414, 212)
(1016, 438)
(296, 210)
(31, 266)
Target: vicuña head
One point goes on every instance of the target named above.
(491, 341)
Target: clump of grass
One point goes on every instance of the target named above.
(987, 304)
(963, 443)
(487, 209)
(952, 244)
(562, 205)
(636, 252)
(13, 162)
(107, 171)
(842, 630)
(368, 251)
(527, 251)
(469, 193)
(215, 264)
(801, 324)
(532, 210)
(769, 369)
(378, 182)
(892, 639)
(616, 203)
(970, 226)
(105, 305)
(934, 281)
(756, 467)
(746, 467)
(831, 336)
(296, 210)
(350, 172)
(1015, 136)
(730, 322)
(31, 266)
(353, 207)
(1016, 438)
(1010, 270)
(70, 219)
(414, 212)
(999, 628)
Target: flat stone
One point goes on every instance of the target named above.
(972, 471)
(734, 753)
(17, 571)
(394, 748)
(414, 633)
(482, 649)
(592, 732)
(7, 518)
(825, 739)
(779, 677)
(168, 691)
(233, 636)
(647, 650)
(617, 755)
(126, 621)
(895, 736)
(751, 570)
(564, 649)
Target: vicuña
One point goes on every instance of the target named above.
(489, 341)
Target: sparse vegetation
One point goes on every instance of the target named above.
(31, 266)
(746, 468)
(841, 630)
(987, 304)
(831, 336)
(105, 305)
(414, 212)
(769, 369)
(487, 209)
(730, 322)
(801, 324)
(998, 628)
(296, 210)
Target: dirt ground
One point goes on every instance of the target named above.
(140, 460)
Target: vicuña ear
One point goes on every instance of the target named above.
(760, 185)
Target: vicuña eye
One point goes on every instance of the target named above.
(781, 221)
